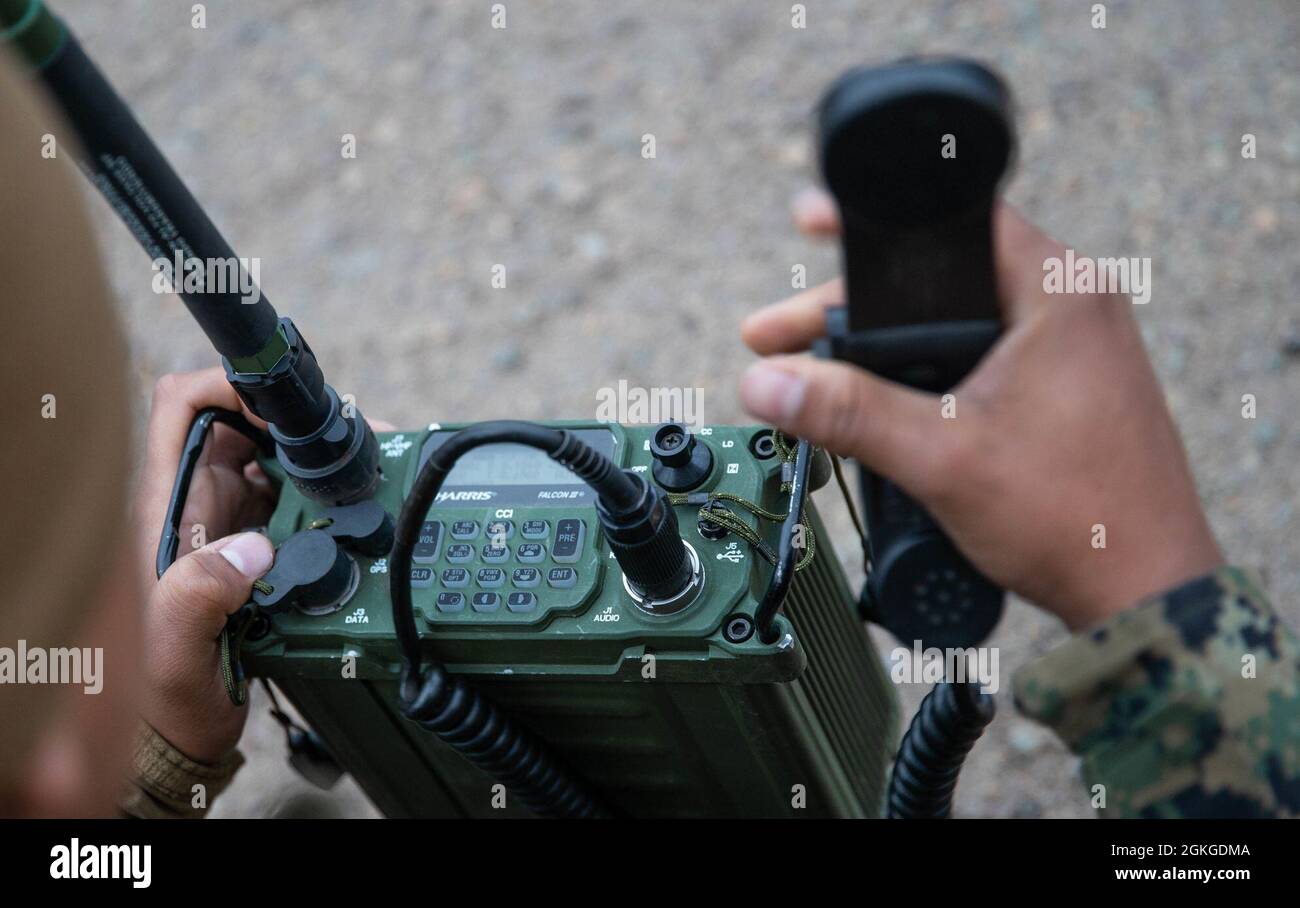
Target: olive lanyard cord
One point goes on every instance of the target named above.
(848, 498)
(732, 522)
(232, 673)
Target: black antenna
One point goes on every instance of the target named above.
(328, 452)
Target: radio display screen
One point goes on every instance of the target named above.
(513, 473)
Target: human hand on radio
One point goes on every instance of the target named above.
(185, 698)
(1061, 428)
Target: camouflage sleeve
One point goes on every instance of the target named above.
(1186, 706)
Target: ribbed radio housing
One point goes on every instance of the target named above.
(664, 716)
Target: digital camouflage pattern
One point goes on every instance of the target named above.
(1186, 706)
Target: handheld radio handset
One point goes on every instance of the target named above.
(913, 153)
(327, 451)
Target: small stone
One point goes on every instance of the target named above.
(388, 131)
(469, 196)
(1175, 361)
(1025, 738)
(593, 246)
(1038, 121)
(1026, 809)
(570, 191)
(794, 153)
(557, 300)
(1265, 434)
(1264, 220)
(1283, 514)
(500, 227)
(507, 358)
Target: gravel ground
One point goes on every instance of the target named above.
(521, 146)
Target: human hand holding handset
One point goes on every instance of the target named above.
(1059, 429)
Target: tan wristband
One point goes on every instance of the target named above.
(166, 784)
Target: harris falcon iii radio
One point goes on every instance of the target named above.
(606, 620)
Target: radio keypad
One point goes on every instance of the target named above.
(567, 547)
(426, 547)
(490, 577)
(451, 602)
(535, 529)
(464, 529)
(498, 531)
(561, 578)
(521, 602)
(454, 578)
(486, 602)
(551, 545)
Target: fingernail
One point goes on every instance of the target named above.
(251, 553)
(771, 393)
(811, 205)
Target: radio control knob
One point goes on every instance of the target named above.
(681, 461)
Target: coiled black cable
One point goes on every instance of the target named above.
(462, 717)
(946, 726)
(450, 707)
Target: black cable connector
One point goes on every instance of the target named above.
(647, 543)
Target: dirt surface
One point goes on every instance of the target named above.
(522, 146)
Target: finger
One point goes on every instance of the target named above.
(381, 425)
(793, 324)
(176, 399)
(203, 588)
(1019, 247)
(259, 498)
(227, 447)
(896, 431)
(257, 479)
(1019, 251)
(815, 213)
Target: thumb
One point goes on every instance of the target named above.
(894, 430)
(815, 213)
(203, 588)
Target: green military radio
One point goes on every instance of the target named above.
(585, 619)
(669, 709)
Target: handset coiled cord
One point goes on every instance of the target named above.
(946, 726)
(448, 705)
